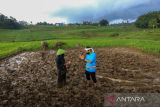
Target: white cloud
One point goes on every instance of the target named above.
(43, 10)
(117, 21)
(38, 10)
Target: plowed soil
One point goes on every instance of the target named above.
(29, 80)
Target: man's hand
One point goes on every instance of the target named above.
(81, 57)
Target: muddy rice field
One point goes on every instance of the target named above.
(29, 79)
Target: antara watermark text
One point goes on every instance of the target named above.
(130, 99)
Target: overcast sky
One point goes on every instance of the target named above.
(77, 10)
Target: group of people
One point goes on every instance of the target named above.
(90, 68)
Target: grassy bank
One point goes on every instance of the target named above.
(148, 46)
(13, 41)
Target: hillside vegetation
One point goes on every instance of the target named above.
(149, 20)
(13, 41)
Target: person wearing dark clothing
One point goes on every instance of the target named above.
(61, 68)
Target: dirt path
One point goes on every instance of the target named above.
(29, 79)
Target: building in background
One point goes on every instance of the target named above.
(59, 24)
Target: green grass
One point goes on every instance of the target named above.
(13, 41)
(148, 46)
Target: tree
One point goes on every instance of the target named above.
(153, 23)
(87, 23)
(149, 20)
(103, 22)
(158, 22)
(9, 22)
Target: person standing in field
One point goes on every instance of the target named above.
(90, 67)
(61, 68)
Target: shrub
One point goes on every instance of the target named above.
(114, 34)
(59, 45)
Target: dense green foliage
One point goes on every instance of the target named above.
(104, 22)
(149, 20)
(9, 22)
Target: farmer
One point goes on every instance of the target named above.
(61, 68)
(90, 59)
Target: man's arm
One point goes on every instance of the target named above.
(93, 58)
(83, 58)
(87, 61)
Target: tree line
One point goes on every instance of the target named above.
(149, 20)
(11, 23)
(103, 22)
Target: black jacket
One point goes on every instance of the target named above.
(60, 62)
